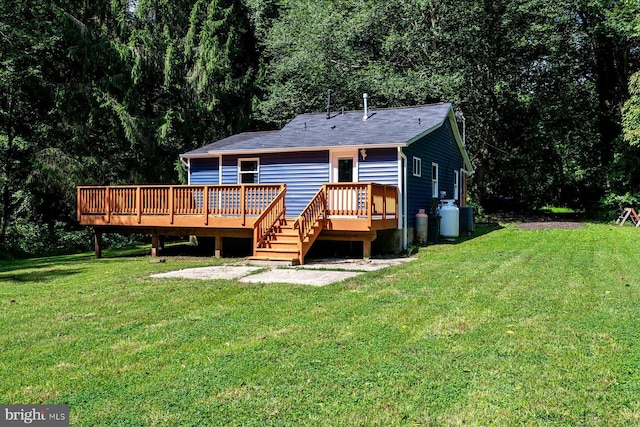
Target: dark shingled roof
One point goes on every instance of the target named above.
(392, 126)
(229, 141)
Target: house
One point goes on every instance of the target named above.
(355, 175)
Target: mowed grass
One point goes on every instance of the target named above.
(512, 327)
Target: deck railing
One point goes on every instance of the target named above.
(362, 200)
(310, 215)
(311, 219)
(233, 206)
(156, 204)
(264, 226)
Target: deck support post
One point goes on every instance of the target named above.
(366, 249)
(217, 252)
(98, 242)
(155, 244)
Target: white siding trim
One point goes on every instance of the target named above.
(417, 166)
(456, 185)
(435, 180)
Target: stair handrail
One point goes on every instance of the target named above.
(314, 212)
(264, 225)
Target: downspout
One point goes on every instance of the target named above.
(404, 208)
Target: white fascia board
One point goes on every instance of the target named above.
(198, 156)
(468, 169)
(217, 153)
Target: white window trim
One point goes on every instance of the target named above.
(434, 181)
(417, 166)
(248, 159)
(350, 153)
(456, 185)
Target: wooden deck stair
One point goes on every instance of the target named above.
(282, 239)
(282, 245)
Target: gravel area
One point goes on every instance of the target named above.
(546, 225)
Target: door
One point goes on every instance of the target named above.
(344, 165)
(344, 169)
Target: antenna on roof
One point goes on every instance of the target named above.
(329, 104)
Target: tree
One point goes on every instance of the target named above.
(27, 39)
(111, 92)
(631, 112)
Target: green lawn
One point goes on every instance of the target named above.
(512, 327)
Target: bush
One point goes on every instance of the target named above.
(612, 204)
(26, 239)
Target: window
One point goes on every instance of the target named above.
(248, 171)
(417, 166)
(345, 170)
(456, 185)
(434, 180)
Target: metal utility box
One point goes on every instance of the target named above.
(467, 224)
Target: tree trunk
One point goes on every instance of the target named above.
(6, 180)
(4, 218)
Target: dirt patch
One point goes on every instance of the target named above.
(546, 225)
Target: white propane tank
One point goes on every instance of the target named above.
(421, 227)
(450, 221)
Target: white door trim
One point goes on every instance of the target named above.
(343, 153)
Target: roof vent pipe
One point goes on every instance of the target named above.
(366, 107)
(329, 104)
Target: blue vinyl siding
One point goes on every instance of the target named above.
(380, 166)
(230, 169)
(204, 171)
(303, 172)
(439, 147)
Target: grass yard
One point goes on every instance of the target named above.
(513, 327)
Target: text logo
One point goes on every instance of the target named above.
(34, 415)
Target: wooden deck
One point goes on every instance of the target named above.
(206, 206)
(346, 210)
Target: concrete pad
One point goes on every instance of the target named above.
(372, 264)
(300, 277)
(209, 273)
(317, 272)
